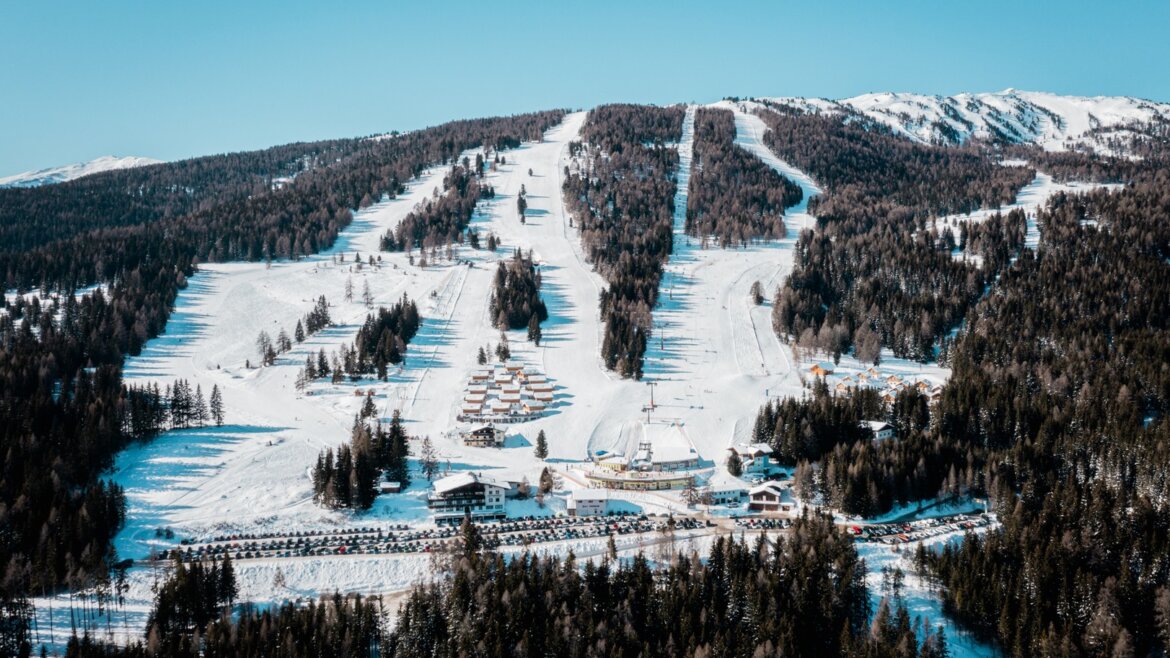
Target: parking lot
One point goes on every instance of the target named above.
(404, 539)
(901, 533)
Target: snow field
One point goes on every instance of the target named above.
(1051, 121)
(72, 171)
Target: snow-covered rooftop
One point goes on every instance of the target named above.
(460, 480)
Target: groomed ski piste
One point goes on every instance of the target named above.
(713, 360)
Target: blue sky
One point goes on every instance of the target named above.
(177, 79)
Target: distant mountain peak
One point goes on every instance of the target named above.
(1051, 121)
(73, 171)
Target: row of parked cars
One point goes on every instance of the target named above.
(762, 523)
(404, 539)
(299, 533)
(900, 533)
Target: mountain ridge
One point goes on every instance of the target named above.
(65, 173)
(1054, 122)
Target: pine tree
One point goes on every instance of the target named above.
(757, 293)
(299, 332)
(734, 464)
(534, 333)
(541, 445)
(481, 358)
(199, 411)
(322, 364)
(263, 346)
(227, 590)
(216, 405)
(690, 494)
(397, 452)
(503, 352)
(470, 538)
(349, 288)
(430, 460)
(369, 410)
(367, 298)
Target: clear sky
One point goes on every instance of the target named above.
(171, 80)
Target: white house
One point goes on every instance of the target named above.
(453, 496)
(487, 436)
(588, 502)
(755, 457)
(881, 430)
(727, 494)
(769, 497)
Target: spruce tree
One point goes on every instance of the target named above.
(541, 445)
(429, 459)
(227, 590)
(216, 405)
(734, 464)
(199, 411)
(369, 410)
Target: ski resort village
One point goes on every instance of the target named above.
(338, 416)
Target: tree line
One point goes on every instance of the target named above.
(441, 220)
(732, 196)
(797, 594)
(381, 342)
(620, 190)
(1060, 380)
(349, 477)
(1056, 411)
(877, 265)
(33, 217)
(515, 299)
(194, 617)
(801, 593)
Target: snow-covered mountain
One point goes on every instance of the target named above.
(73, 171)
(1051, 121)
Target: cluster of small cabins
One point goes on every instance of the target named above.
(510, 393)
(889, 384)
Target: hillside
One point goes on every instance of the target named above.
(74, 171)
(757, 320)
(1101, 124)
